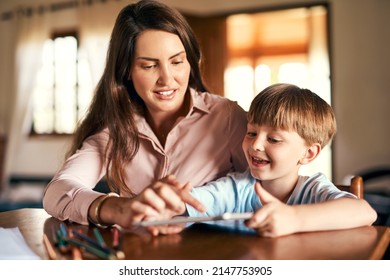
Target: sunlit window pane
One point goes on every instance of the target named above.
(294, 73)
(65, 79)
(85, 92)
(287, 46)
(239, 85)
(43, 101)
(43, 114)
(65, 55)
(262, 77)
(64, 89)
(65, 109)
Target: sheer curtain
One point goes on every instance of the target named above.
(7, 35)
(96, 23)
(23, 37)
(26, 37)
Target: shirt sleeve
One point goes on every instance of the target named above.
(314, 189)
(70, 192)
(231, 194)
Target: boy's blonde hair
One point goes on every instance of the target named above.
(288, 107)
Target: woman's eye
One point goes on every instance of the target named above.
(148, 66)
(177, 62)
(251, 134)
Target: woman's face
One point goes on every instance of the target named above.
(160, 71)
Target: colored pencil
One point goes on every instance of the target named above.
(76, 252)
(62, 246)
(99, 238)
(63, 229)
(49, 248)
(88, 239)
(119, 254)
(100, 253)
(115, 238)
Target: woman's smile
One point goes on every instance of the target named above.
(166, 95)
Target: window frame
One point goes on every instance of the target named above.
(60, 34)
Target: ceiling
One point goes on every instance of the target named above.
(194, 7)
(213, 7)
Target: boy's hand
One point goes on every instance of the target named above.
(274, 218)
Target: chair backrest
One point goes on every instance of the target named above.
(3, 143)
(356, 187)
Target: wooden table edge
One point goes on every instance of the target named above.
(382, 245)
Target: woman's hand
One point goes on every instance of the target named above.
(162, 199)
(274, 218)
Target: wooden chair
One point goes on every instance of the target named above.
(3, 143)
(356, 187)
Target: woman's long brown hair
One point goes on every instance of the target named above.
(115, 101)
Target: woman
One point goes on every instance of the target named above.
(150, 117)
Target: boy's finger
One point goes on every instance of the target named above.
(265, 196)
(258, 219)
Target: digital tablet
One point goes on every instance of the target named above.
(184, 219)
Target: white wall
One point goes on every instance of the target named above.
(361, 84)
(360, 45)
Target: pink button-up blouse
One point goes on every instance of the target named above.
(203, 146)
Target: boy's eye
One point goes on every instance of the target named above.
(273, 140)
(251, 134)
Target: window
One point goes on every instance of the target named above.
(63, 87)
(281, 46)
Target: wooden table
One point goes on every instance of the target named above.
(210, 242)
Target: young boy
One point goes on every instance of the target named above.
(287, 127)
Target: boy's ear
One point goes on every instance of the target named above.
(311, 153)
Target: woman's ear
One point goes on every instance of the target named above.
(311, 153)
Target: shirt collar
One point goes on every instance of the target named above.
(197, 103)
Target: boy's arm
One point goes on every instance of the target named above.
(230, 194)
(276, 218)
(335, 214)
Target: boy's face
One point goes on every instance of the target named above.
(273, 153)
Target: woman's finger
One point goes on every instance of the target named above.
(192, 201)
(138, 207)
(153, 199)
(172, 198)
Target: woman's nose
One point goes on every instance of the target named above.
(165, 75)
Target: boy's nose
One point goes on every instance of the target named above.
(258, 144)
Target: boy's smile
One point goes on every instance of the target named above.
(274, 154)
(259, 161)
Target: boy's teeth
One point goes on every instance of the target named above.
(259, 160)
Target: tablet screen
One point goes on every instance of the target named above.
(184, 220)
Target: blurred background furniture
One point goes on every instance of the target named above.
(356, 187)
(377, 191)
